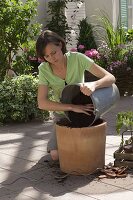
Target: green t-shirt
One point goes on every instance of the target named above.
(77, 63)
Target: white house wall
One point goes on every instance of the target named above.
(74, 13)
(111, 7)
(42, 15)
(91, 7)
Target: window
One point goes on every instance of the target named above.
(126, 13)
(130, 14)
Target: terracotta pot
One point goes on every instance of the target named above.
(81, 150)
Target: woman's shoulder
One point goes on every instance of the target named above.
(74, 55)
(43, 66)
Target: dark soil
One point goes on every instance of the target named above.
(81, 119)
(67, 123)
(72, 94)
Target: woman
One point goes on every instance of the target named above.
(63, 68)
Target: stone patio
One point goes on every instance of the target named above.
(25, 176)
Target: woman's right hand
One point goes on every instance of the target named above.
(83, 108)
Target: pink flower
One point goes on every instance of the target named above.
(81, 46)
(40, 60)
(32, 58)
(93, 53)
(73, 49)
(88, 53)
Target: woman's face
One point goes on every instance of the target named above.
(53, 53)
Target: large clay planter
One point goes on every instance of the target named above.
(81, 150)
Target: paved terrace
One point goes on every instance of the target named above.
(25, 176)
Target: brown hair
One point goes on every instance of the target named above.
(47, 37)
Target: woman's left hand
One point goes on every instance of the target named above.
(88, 88)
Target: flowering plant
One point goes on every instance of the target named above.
(118, 61)
(129, 58)
(27, 59)
(93, 53)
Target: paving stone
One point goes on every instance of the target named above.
(5, 174)
(33, 155)
(130, 186)
(42, 148)
(97, 188)
(3, 191)
(110, 150)
(16, 197)
(22, 143)
(113, 140)
(14, 164)
(109, 159)
(7, 138)
(40, 195)
(10, 149)
(117, 195)
(119, 182)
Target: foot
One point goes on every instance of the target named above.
(54, 155)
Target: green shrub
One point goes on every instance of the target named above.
(86, 36)
(129, 35)
(124, 119)
(26, 62)
(17, 26)
(113, 36)
(18, 100)
(58, 22)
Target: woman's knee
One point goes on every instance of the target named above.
(54, 154)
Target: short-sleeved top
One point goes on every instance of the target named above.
(77, 63)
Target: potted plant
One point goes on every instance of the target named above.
(124, 154)
(115, 52)
(122, 69)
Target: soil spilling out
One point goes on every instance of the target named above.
(81, 119)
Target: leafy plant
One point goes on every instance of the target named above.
(124, 119)
(18, 100)
(128, 56)
(113, 36)
(58, 22)
(129, 35)
(85, 36)
(124, 123)
(28, 59)
(16, 29)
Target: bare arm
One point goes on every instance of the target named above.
(106, 80)
(45, 104)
